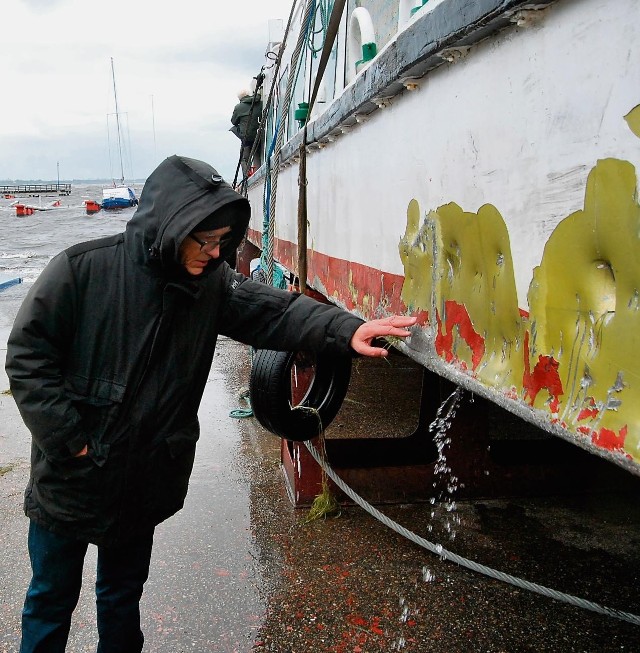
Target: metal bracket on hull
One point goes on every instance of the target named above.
(453, 55)
(411, 83)
(382, 102)
(529, 16)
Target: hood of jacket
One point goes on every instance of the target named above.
(178, 195)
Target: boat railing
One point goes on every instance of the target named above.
(450, 34)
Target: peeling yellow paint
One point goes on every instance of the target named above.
(633, 120)
(474, 269)
(585, 303)
(577, 354)
(417, 259)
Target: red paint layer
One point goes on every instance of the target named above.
(610, 440)
(456, 316)
(348, 282)
(544, 376)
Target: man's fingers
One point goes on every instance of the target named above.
(374, 352)
(401, 320)
(367, 332)
(397, 331)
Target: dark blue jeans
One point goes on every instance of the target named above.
(56, 563)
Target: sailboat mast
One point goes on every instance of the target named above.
(115, 96)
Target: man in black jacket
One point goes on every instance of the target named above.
(107, 361)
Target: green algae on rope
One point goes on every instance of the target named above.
(325, 504)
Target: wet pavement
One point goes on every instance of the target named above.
(239, 570)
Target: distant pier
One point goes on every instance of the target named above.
(35, 190)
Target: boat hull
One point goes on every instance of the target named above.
(483, 176)
(118, 197)
(116, 203)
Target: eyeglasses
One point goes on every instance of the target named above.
(207, 246)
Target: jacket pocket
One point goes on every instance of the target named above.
(167, 468)
(82, 490)
(98, 403)
(99, 391)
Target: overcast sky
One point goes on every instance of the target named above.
(178, 67)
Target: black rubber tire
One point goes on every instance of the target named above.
(270, 392)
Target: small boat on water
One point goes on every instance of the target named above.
(118, 197)
(473, 164)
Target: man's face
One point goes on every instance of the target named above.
(199, 247)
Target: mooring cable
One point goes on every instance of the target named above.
(445, 554)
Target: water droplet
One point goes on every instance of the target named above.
(427, 575)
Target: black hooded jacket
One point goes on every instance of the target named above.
(112, 348)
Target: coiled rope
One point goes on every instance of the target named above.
(239, 413)
(445, 554)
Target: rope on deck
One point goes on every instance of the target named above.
(445, 554)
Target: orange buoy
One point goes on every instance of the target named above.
(20, 210)
(92, 206)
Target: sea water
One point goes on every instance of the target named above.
(28, 243)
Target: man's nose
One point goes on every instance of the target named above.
(215, 252)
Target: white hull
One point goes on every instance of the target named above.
(494, 195)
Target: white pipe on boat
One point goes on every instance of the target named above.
(360, 32)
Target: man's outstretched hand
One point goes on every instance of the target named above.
(387, 326)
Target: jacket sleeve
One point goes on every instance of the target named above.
(36, 351)
(236, 115)
(268, 318)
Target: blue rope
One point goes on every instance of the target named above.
(266, 202)
(245, 394)
(238, 413)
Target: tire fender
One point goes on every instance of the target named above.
(284, 384)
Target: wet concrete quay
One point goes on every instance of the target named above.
(240, 570)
